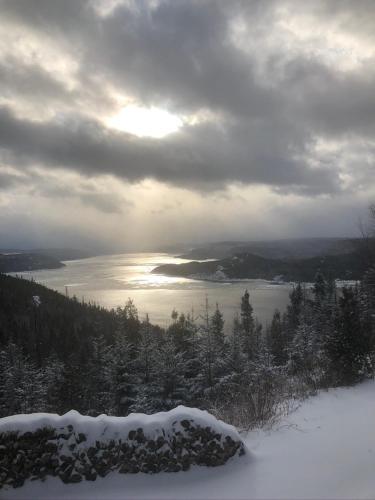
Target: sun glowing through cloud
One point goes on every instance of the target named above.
(145, 122)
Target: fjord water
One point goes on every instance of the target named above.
(111, 279)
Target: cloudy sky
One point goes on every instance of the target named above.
(137, 123)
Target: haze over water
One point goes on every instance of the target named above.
(111, 279)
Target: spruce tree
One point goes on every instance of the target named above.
(217, 327)
(276, 340)
(207, 349)
(54, 383)
(121, 375)
(128, 323)
(22, 388)
(348, 347)
(293, 311)
(320, 288)
(97, 392)
(249, 330)
(236, 358)
(170, 367)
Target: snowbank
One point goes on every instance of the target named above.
(325, 450)
(75, 447)
(108, 428)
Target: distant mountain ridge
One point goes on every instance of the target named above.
(273, 249)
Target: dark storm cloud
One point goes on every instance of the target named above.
(56, 187)
(27, 80)
(64, 17)
(330, 102)
(10, 180)
(184, 158)
(176, 54)
(180, 55)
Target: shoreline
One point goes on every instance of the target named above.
(339, 282)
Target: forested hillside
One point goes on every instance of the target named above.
(347, 266)
(18, 262)
(57, 354)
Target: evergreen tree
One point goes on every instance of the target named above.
(293, 311)
(207, 349)
(97, 394)
(367, 307)
(72, 395)
(236, 358)
(276, 340)
(302, 351)
(181, 332)
(22, 389)
(219, 344)
(54, 384)
(121, 375)
(146, 352)
(348, 348)
(249, 330)
(194, 380)
(128, 323)
(217, 327)
(147, 391)
(320, 288)
(170, 367)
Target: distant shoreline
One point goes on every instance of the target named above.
(19, 261)
(339, 282)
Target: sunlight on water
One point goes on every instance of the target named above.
(156, 280)
(110, 280)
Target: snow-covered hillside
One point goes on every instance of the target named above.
(326, 449)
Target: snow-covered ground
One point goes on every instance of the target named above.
(326, 449)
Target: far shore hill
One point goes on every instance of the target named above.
(290, 248)
(13, 260)
(342, 261)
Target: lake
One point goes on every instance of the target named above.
(111, 279)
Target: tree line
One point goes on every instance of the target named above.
(57, 353)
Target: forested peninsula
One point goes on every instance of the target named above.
(19, 262)
(347, 266)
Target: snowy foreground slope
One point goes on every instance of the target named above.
(324, 450)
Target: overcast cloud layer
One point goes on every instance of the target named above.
(275, 101)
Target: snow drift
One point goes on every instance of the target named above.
(75, 447)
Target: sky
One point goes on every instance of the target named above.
(140, 124)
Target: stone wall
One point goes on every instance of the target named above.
(70, 454)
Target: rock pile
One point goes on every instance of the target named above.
(73, 456)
